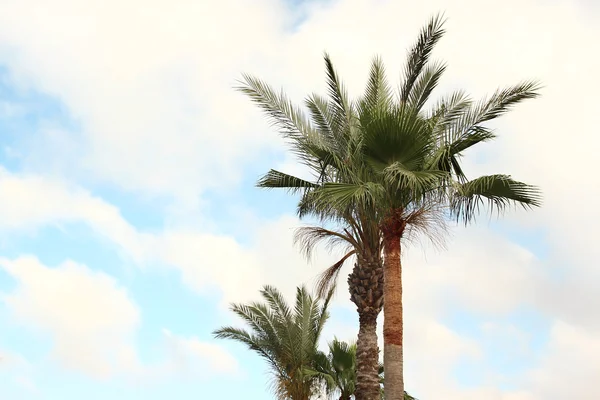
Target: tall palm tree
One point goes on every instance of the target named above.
(318, 142)
(389, 162)
(287, 338)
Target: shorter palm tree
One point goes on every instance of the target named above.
(287, 338)
(337, 369)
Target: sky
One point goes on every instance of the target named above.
(129, 220)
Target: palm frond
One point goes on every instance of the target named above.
(242, 336)
(378, 95)
(504, 99)
(339, 103)
(276, 179)
(251, 317)
(324, 313)
(427, 221)
(417, 182)
(419, 54)
(322, 116)
(308, 237)
(290, 120)
(328, 278)
(425, 84)
(500, 191)
(344, 195)
(447, 111)
(397, 136)
(276, 301)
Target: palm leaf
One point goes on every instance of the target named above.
(308, 237)
(377, 93)
(339, 104)
(275, 179)
(327, 278)
(420, 53)
(500, 191)
(416, 181)
(504, 99)
(281, 112)
(425, 84)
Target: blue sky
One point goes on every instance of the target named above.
(129, 219)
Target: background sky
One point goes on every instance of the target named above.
(129, 218)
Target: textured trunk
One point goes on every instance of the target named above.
(366, 291)
(393, 362)
(367, 360)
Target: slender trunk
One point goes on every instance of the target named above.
(366, 291)
(393, 361)
(367, 360)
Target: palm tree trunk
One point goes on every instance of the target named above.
(366, 291)
(367, 360)
(393, 360)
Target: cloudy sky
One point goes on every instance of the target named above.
(129, 220)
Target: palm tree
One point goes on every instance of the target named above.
(286, 338)
(337, 369)
(392, 164)
(317, 142)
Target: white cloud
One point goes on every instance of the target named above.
(572, 355)
(92, 322)
(17, 369)
(154, 97)
(507, 274)
(21, 209)
(206, 261)
(90, 318)
(193, 358)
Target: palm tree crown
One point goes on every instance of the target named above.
(287, 338)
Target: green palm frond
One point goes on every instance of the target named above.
(419, 54)
(322, 371)
(290, 120)
(339, 103)
(248, 314)
(280, 180)
(378, 95)
(500, 191)
(397, 135)
(338, 369)
(476, 135)
(276, 301)
(504, 99)
(253, 343)
(418, 182)
(469, 124)
(324, 314)
(322, 116)
(425, 84)
(344, 195)
(447, 111)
